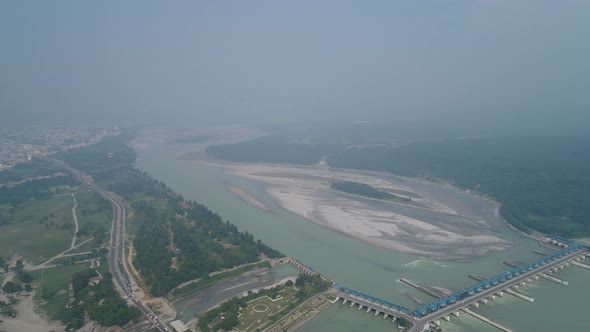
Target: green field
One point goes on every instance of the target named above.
(263, 311)
(100, 211)
(30, 237)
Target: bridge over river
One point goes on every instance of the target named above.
(488, 289)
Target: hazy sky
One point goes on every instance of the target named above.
(481, 62)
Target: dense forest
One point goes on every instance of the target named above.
(543, 183)
(202, 242)
(365, 190)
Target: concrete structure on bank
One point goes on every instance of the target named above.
(179, 326)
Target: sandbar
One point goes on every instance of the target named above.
(248, 198)
(442, 222)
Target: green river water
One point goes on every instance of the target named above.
(372, 269)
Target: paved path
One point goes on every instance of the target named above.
(60, 255)
(75, 222)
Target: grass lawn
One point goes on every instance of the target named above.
(33, 240)
(263, 311)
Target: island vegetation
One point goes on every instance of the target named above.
(365, 190)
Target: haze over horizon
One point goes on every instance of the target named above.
(463, 65)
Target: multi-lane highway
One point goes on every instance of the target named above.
(117, 262)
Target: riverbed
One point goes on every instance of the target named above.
(439, 221)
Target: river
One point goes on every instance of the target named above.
(369, 268)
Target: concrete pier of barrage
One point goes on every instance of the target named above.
(430, 316)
